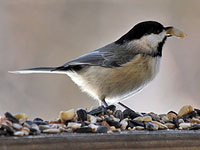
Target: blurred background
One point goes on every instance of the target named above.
(37, 33)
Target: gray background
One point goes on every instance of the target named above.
(50, 32)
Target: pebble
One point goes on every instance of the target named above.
(139, 128)
(147, 118)
(128, 113)
(19, 133)
(171, 115)
(82, 115)
(10, 117)
(84, 130)
(185, 110)
(17, 126)
(170, 125)
(102, 129)
(123, 124)
(195, 127)
(67, 115)
(160, 125)
(22, 116)
(185, 125)
(151, 126)
(119, 114)
(52, 131)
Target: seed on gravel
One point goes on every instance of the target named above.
(128, 113)
(139, 128)
(51, 131)
(102, 129)
(97, 111)
(111, 107)
(185, 110)
(160, 125)
(185, 125)
(22, 116)
(176, 123)
(151, 126)
(171, 115)
(17, 126)
(147, 118)
(84, 130)
(10, 117)
(19, 133)
(119, 114)
(67, 115)
(170, 125)
(43, 127)
(123, 124)
(195, 127)
(82, 115)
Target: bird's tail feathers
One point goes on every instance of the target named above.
(38, 70)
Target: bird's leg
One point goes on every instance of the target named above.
(124, 105)
(104, 103)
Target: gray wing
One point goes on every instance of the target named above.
(111, 55)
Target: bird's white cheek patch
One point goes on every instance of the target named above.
(147, 42)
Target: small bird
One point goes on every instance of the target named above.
(119, 69)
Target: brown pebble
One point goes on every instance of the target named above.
(185, 110)
(171, 115)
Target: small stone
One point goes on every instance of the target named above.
(128, 113)
(180, 121)
(19, 133)
(197, 111)
(36, 127)
(185, 125)
(165, 119)
(40, 121)
(84, 130)
(82, 115)
(195, 127)
(170, 125)
(104, 123)
(44, 127)
(8, 129)
(160, 125)
(123, 124)
(195, 120)
(185, 110)
(102, 129)
(136, 123)
(67, 115)
(17, 126)
(22, 116)
(10, 117)
(51, 131)
(171, 115)
(175, 121)
(147, 118)
(111, 107)
(74, 125)
(151, 126)
(112, 123)
(139, 128)
(92, 119)
(155, 117)
(94, 127)
(138, 119)
(33, 131)
(119, 114)
(26, 131)
(97, 111)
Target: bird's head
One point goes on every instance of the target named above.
(148, 37)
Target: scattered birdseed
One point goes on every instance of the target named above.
(100, 120)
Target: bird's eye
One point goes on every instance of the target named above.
(157, 31)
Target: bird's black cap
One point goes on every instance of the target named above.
(140, 30)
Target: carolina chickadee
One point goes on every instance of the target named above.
(119, 69)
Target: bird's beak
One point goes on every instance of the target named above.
(172, 31)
